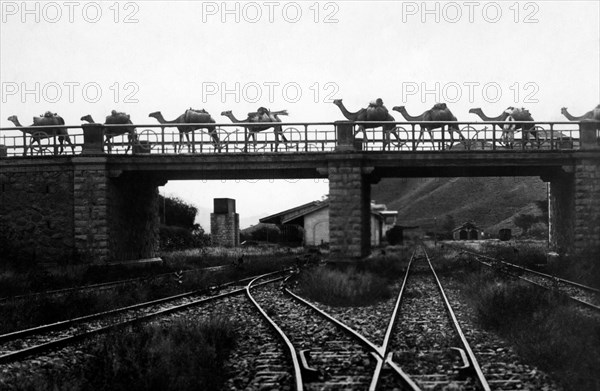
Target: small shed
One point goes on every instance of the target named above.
(505, 234)
(313, 217)
(467, 231)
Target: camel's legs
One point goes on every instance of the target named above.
(215, 138)
(62, 140)
(108, 143)
(421, 137)
(361, 128)
(68, 139)
(34, 140)
(189, 143)
(187, 137)
(130, 141)
(387, 137)
(253, 135)
(279, 132)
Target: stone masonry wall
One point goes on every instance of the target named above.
(562, 206)
(91, 214)
(575, 210)
(116, 219)
(133, 220)
(587, 208)
(36, 216)
(225, 229)
(349, 212)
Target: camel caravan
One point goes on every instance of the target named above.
(375, 115)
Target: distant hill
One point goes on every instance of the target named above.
(489, 202)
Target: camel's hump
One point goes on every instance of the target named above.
(377, 113)
(118, 118)
(521, 113)
(45, 121)
(197, 116)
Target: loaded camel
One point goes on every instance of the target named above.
(115, 118)
(511, 114)
(439, 114)
(47, 119)
(262, 115)
(376, 111)
(507, 134)
(522, 114)
(202, 120)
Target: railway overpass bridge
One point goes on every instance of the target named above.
(93, 206)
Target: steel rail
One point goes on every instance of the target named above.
(539, 285)
(553, 278)
(65, 323)
(573, 283)
(13, 356)
(74, 338)
(578, 301)
(388, 357)
(286, 340)
(379, 352)
(104, 284)
(470, 354)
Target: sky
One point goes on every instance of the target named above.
(90, 57)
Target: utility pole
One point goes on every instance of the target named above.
(435, 231)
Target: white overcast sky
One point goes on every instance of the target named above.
(144, 56)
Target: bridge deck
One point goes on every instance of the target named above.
(314, 164)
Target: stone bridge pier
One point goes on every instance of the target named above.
(574, 200)
(115, 215)
(349, 199)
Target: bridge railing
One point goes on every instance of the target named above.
(301, 137)
(459, 135)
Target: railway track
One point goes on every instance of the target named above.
(21, 344)
(329, 355)
(107, 285)
(420, 347)
(585, 296)
(424, 337)
(323, 356)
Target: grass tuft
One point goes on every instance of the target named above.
(182, 356)
(343, 287)
(544, 329)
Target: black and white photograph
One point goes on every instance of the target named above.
(300, 195)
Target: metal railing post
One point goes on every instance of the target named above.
(345, 136)
(588, 134)
(92, 139)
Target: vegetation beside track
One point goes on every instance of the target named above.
(582, 268)
(364, 283)
(544, 329)
(44, 309)
(181, 356)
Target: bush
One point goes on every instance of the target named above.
(179, 238)
(262, 233)
(544, 330)
(343, 287)
(502, 302)
(185, 355)
(524, 254)
(390, 263)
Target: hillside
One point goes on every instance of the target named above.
(489, 202)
